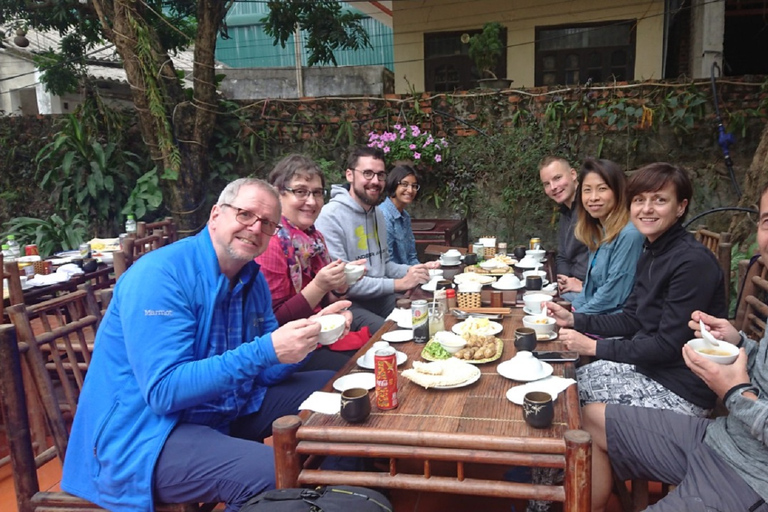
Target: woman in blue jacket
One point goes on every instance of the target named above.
(401, 188)
(614, 243)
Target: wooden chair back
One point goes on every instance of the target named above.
(752, 311)
(135, 248)
(720, 245)
(12, 274)
(24, 366)
(165, 228)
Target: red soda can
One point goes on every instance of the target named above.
(385, 370)
(31, 250)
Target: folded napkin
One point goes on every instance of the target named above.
(46, 280)
(399, 315)
(69, 270)
(552, 385)
(325, 403)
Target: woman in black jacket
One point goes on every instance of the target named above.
(639, 350)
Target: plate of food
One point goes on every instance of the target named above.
(448, 374)
(480, 326)
(480, 349)
(473, 277)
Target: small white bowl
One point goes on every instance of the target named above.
(353, 273)
(331, 328)
(435, 272)
(451, 342)
(542, 325)
(726, 353)
(536, 254)
(533, 301)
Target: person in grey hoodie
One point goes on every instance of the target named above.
(354, 229)
(719, 464)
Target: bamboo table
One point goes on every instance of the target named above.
(468, 427)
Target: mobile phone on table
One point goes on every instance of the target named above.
(552, 356)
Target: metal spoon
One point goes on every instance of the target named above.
(708, 335)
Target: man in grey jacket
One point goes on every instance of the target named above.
(560, 183)
(719, 464)
(354, 229)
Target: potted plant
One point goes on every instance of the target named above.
(485, 50)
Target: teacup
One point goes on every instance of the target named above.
(538, 409)
(451, 257)
(355, 405)
(525, 339)
(533, 282)
(519, 252)
(470, 259)
(533, 301)
(353, 273)
(435, 272)
(535, 254)
(368, 358)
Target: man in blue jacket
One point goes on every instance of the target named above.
(190, 369)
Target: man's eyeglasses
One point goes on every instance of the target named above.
(303, 193)
(414, 186)
(248, 218)
(369, 174)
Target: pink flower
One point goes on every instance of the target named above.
(412, 146)
(386, 149)
(417, 156)
(438, 158)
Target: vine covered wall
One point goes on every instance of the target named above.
(495, 141)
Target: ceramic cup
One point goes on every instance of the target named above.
(509, 280)
(533, 283)
(368, 358)
(536, 254)
(525, 339)
(470, 259)
(353, 273)
(355, 405)
(538, 409)
(533, 302)
(403, 303)
(519, 252)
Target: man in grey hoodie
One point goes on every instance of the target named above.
(719, 464)
(355, 229)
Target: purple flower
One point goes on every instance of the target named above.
(445, 142)
(396, 127)
(438, 158)
(372, 136)
(415, 131)
(417, 156)
(412, 146)
(386, 149)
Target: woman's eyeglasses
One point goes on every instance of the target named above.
(303, 193)
(414, 186)
(247, 218)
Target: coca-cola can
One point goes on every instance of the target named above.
(385, 370)
(31, 250)
(419, 317)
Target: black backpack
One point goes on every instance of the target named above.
(337, 498)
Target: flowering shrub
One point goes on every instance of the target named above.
(409, 143)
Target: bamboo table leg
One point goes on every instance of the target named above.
(287, 463)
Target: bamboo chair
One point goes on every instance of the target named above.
(135, 248)
(720, 245)
(167, 227)
(11, 273)
(752, 312)
(24, 365)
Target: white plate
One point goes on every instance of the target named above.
(406, 323)
(550, 337)
(495, 328)
(499, 286)
(444, 264)
(529, 312)
(507, 370)
(398, 336)
(473, 277)
(401, 358)
(355, 380)
(471, 380)
(517, 393)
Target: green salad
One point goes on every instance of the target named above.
(436, 350)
